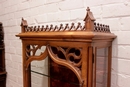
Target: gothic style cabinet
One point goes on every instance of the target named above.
(2, 58)
(74, 56)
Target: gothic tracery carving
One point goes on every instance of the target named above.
(69, 57)
(31, 53)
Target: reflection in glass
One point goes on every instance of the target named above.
(47, 73)
(39, 70)
(52, 75)
(62, 76)
(39, 73)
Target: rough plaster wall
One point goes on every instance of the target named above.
(115, 13)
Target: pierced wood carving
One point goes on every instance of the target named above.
(31, 54)
(69, 57)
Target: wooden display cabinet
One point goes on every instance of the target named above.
(2, 58)
(78, 56)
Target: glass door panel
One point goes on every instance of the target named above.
(47, 73)
(39, 73)
(101, 67)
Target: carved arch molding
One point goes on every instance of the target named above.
(70, 57)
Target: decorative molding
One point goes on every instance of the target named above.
(55, 28)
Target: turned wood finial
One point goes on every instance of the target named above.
(89, 20)
(88, 9)
(23, 25)
(89, 15)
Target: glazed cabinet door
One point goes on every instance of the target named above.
(55, 64)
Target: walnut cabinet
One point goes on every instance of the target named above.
(76, 55)
(2, 58)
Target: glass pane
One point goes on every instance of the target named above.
(47, 73)
(39, 71)
(101, 67)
